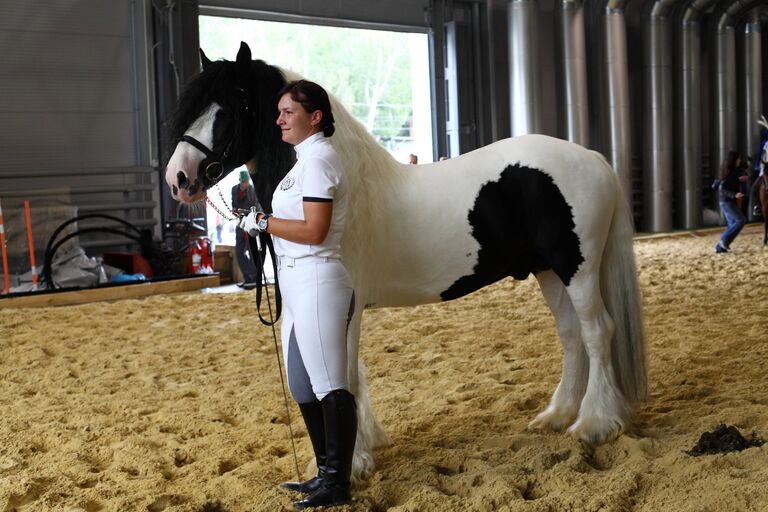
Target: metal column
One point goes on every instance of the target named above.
(524, 66)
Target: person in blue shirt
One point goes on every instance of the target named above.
(732, 175)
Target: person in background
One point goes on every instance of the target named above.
(413, 159)
(244, 196)
(731, 177)
(219, 227)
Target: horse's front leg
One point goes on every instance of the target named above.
(370, 433)
(564, 405)
(765, 221)
(604, 412)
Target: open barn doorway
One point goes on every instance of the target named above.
(381, 76)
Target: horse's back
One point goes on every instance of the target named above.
(561, 159)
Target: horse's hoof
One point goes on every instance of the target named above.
(596, 435)
(552, 419)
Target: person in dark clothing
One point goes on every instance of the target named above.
(732, 175)
(244, 196)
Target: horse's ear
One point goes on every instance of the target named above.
(204, 60)
(242, 64)
(244, 56)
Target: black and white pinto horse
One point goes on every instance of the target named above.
(420, 234)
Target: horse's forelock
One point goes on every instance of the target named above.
(196, 97)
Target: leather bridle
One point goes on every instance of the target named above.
(211, 168)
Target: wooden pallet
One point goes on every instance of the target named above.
(128, 291)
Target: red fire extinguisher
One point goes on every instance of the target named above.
(201, 256)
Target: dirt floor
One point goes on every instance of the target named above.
(174, 403)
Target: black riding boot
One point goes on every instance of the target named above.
(340, 415)
(313, 419)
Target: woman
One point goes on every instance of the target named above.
(731, 177)
(307, 222)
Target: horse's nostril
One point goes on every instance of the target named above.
(182, 179)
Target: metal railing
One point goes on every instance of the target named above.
(130, 193)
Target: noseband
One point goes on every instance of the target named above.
(211, 169)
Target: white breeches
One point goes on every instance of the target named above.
(318, 303)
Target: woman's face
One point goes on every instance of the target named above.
(296, 123)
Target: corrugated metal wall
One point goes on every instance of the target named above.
(76, 111)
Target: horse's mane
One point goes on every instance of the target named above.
(371, 172)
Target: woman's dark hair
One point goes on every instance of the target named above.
(729, 164)
(312, 97)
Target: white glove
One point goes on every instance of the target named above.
(248, 222)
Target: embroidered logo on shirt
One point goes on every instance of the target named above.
(287, 183)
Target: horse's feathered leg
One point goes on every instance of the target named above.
(565, 402)
(762, 194)
(370, 433)
(764, 207)
(604, 412)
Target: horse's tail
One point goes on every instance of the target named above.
(621, 295)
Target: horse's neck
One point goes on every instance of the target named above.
(273, 163)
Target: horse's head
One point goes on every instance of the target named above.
(225, 117)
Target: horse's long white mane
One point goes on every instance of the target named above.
(373, 175)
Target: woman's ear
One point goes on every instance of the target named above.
(317, 118)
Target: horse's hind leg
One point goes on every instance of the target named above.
(564, 405)
(604, 412)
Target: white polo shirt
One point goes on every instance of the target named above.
(317, 176)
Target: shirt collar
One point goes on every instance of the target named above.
(306, 145)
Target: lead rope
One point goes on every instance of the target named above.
(271, 323)
(262, 281)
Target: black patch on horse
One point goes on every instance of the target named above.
(523, 225)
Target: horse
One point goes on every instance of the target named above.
(760, 161)
(420, 234)
(762, 194)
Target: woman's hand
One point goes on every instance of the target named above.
(248, 223)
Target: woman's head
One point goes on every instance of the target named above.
(304, 109)
(733, 159)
